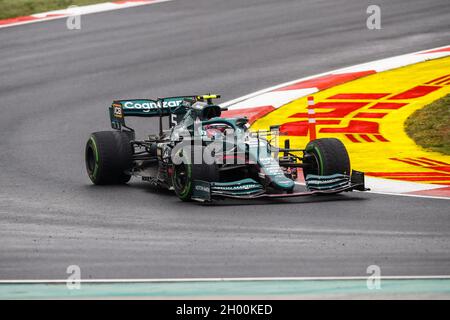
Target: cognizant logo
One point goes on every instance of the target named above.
(147, 106)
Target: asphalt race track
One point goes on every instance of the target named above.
(56, 85)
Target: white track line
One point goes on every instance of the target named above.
(395, 194)
(80, 10)
(246, 279)
(409, 195)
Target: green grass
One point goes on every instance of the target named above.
(429, 127)
(17, 8)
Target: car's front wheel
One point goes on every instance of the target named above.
(186, 171)
(326, 156)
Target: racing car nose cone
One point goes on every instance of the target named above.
(283, 183)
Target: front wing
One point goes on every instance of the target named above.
(249, 189)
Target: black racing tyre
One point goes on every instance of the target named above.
(326, 156)
(187, 171)
(108, 155)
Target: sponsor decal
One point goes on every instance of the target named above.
(326, 181)
(145, 106)
(234, 188)
(118, 111)
(202, 188)
(149, 105)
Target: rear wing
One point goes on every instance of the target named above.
(170, 106)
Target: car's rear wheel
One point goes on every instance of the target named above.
(108, 155)
(326, 156)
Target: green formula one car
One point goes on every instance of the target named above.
(203, 156)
